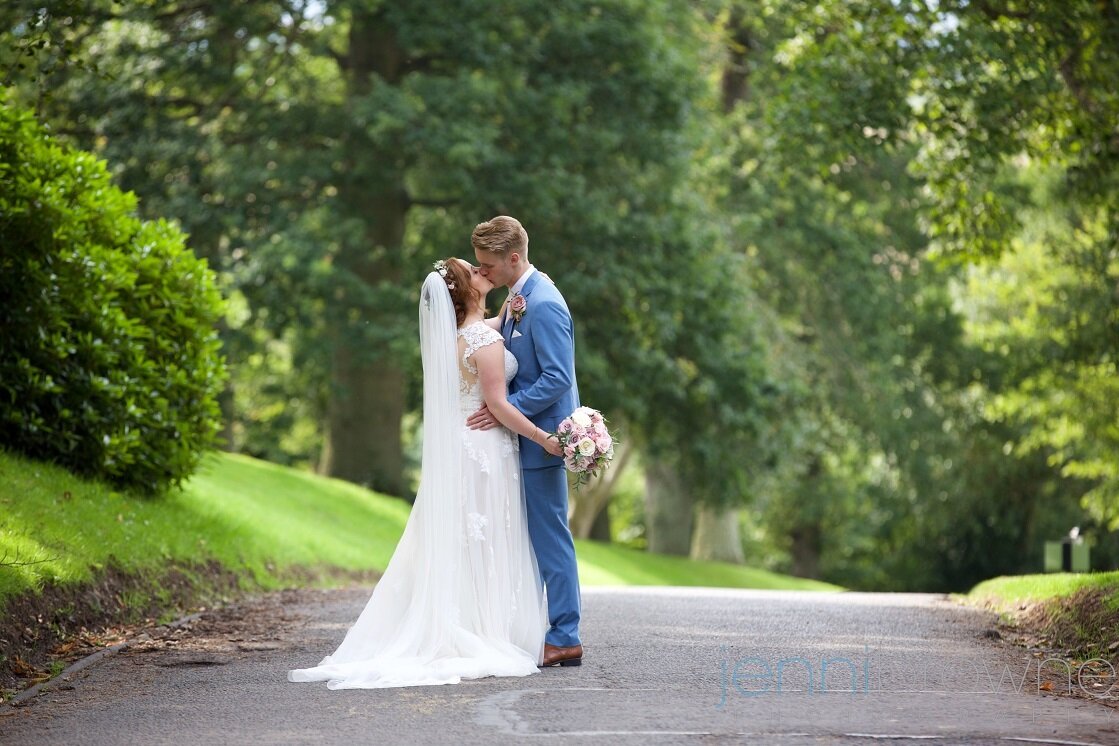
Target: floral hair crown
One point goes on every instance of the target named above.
(441, 267)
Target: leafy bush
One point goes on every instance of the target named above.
(109, 360)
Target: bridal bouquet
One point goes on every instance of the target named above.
(587, 445)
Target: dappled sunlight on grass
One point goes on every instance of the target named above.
(1010, 591)
(607, 564)
(1068, 615)
(326, 517)
(255, 518)
(259, 520)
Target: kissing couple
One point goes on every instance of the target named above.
(484, 580)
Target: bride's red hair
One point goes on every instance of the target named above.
(463, 295)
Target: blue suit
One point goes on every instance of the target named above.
(545, 391)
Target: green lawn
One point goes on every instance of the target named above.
(260, 520)
(255, 518)
(608, 564)
(1009, 592)
(1075, 615)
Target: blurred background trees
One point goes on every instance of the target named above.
(844, 275)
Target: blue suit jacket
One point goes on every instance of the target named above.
(543, 341)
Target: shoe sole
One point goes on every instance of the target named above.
(567, 662)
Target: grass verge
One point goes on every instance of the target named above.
(1075, 616)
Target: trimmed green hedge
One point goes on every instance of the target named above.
(109, 360)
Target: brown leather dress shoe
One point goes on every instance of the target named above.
(572, 656)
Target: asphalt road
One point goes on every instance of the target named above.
(663, 665)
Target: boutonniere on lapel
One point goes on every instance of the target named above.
(517, 307)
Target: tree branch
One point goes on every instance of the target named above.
(417, 65)
(5, 562)
(1067, 68)
(343, 60)
(993, 13)
(143, 14)
(433, 202)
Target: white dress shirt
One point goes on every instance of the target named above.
(521, 282)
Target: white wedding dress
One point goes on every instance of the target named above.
(461, 597)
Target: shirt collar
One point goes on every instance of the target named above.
(524, 278)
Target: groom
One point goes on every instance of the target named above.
(538, 330)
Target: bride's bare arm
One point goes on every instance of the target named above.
(490, 361)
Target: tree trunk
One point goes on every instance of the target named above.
(717, 536)
(590, 503)
(668, 511)
(366, 404)
(362, 441)
(226, 401)
(736, 71)
(806, 541)
(600, 531)
(806, 535)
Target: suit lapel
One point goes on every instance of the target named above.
(530, 283)
(507, 323)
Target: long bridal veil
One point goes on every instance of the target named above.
(461, 596)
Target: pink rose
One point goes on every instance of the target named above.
(517, 307)
(603, 442)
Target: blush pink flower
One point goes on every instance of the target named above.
(588, 447)
(517, 307)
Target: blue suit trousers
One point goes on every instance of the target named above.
(546, 502)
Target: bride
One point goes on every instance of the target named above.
(461, 597)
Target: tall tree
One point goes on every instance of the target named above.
(875, 144)
(325, 153)
(1048, 109)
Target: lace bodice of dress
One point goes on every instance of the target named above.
(477, 336)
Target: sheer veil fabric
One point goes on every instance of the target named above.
(461, 597)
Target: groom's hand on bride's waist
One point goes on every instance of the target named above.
(483, 419)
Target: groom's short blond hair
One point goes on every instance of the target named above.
(501, 235)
